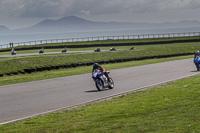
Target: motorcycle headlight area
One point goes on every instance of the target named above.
(94, 74)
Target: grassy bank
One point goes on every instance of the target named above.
(20, 63)
(173, 107)
(6, 80)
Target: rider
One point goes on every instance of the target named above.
(97, 66)
(196, 54)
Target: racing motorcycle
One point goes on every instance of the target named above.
(197, 62)
(101, 81)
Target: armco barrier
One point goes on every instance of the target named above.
(103, 45)
(74, 65)
(101, 38)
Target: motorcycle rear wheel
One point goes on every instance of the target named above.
(111, 84)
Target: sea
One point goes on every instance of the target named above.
(25, 37)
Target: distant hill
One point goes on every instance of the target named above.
(73, 23)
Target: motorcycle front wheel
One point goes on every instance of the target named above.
(197, 65)
(99, 85)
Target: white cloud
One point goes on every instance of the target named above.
(85, 12)
(10, 8)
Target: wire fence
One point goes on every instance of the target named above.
(101, 38)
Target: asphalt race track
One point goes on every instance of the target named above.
(83, 51)
(25, 100)
(17, 55)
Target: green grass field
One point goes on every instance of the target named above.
(173, 107)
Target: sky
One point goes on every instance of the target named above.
(23, 13)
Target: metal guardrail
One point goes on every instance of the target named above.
(101, 38)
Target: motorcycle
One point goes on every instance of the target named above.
(97, 50)
(113, 49)
(101, 81)
(197, 62)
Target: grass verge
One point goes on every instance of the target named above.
(6, 80)
(173, 107)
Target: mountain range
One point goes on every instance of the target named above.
(73, 23)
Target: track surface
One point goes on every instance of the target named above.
(84, 51)
(24, 100)
(17, 55)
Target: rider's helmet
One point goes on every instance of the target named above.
(197, 52)
(95, 65)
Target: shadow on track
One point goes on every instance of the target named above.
(92, 91)
(194, 71)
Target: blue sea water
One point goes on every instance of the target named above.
(18, 38)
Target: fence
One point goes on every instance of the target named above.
(87, 39)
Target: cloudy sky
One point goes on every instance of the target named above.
(22, 13)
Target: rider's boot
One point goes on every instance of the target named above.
(106, 74)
